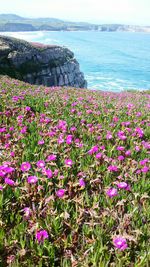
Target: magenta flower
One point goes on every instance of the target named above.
(120, 148)
(60, 193)
(93, 150)
(27, 212)
(73, 128)
(56, 172)
(8, 169)
(112, 192)
(137, 148)
(2, 172)
(120, 243)
(145, 169)
(27, 108)
(48, 173)
(113, 168)
(12, 153)
(81, 182)
(143, 162)
(69, 139)
(11, 129)
(115, 119)
(41, 142)
(32, 179)
(23, 130)
(120, 157)
(109, 135)
(41, 235)
(121, 135)
(123, 185)
(139, 132)
(25, 166)
(60, 139)
(2, 130)
(99, 155)
(51, 157)
(40, 164)
(1, 187)
(68, 162)
(9, 182)
(128, 153)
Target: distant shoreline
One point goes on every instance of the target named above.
(147, 32)
(15, 23)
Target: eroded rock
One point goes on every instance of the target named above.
(35, 63)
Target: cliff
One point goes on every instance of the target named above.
(39, 64)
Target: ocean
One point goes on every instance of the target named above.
(110, 61)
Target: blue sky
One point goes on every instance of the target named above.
(96, 11)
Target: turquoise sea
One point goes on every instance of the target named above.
(113, 61)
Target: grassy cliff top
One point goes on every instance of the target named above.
(74, 169)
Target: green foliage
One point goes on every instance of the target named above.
(82, 224)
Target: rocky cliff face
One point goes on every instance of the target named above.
(39, 64)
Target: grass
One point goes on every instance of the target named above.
(81, 225)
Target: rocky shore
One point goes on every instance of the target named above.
(35, 63)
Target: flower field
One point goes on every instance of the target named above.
(74, 177)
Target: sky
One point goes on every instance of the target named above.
(97, 11)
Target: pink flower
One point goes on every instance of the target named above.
(137, 148)
(99, 155)
(69, 139)
(32, 179)
(121, 135)
(41, 235)
(93, 150)
(143, 162)
(8, 169)
(27, 212)
(40, 164)
(2, 130)
(145, 169)
(115, 119)
(48, 173)
(81, 182)
(2, 172)
(41, 142)
(23, 130)
(109, 135)
(60, 139)
(120, 157)
(11, 129)
(1, 187)
(120, 148)
(123, 185)
(27, 108)
(112, 192)
(60, 193)
(56, 172)
(73, 128)
(113, 168)
(128, 153)
(68, 162)
(51, 157)
(12, 153)
(25, 166)
(139, 132)
(9, 182)
(120, 243)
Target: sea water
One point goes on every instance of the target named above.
(111, 61)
